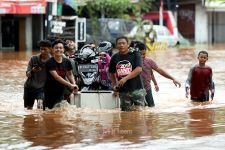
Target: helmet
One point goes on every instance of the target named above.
(104, 46)
(87, 51)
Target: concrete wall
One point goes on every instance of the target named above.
(216, 27)
(201, 22)
(28, 32)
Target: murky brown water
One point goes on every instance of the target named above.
(174, 123)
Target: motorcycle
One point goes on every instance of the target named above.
(87, 67)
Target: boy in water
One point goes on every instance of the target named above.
(199, 80)
(147, 74)
(36, 76)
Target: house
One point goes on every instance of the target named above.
(201, 20)
(21, 23)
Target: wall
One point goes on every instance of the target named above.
(28, 32)
(201, 22)
(186, 20)
(216, 26)
(20, 32)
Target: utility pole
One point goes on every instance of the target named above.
(51, 10)
(161, 13)
(47, 23)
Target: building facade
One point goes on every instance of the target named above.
(22, 24)
(201, 21)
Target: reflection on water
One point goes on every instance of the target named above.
(201, 122)
(49, 130)
(175, 122)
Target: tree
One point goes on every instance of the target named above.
(107, 8)
(114, 9)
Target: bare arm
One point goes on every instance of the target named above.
(155, 82)
(61, 80)
(164, 73)
(153, 79)
(113, 79)
(70, 77)
(168, 76)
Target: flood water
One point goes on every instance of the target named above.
(174, 122)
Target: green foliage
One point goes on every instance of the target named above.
(140, 8)
(116, 8)
(107, 8)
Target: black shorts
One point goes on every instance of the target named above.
(30, 96)
(52, 97)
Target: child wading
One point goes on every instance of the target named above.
(199, 80)
(147, 74)
(36, 76)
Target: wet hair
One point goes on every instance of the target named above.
(69, 38)
(66, 47)
(140, 46)
(121, 37)
(133, 43)
(57, 42)
(52, 38)
(44, 43)
(203, 52)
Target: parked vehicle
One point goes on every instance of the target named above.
(116, 27)
(96, 33)
(169, 20)
(107, 29)
(162, 34)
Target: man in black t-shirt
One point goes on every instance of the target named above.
(58, 69)
(125, 68)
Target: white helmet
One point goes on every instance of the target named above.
(104, 46)
(86, 51)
